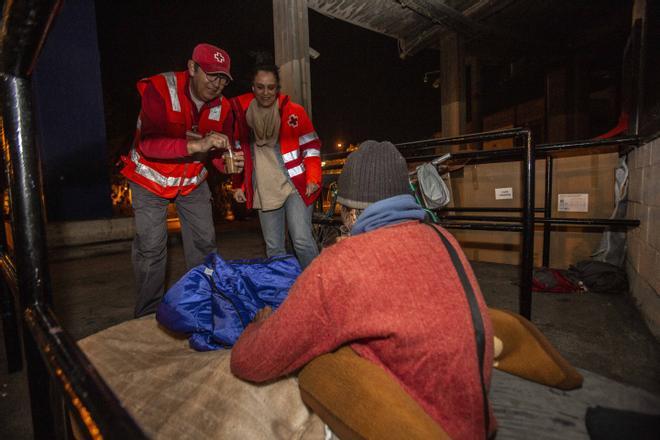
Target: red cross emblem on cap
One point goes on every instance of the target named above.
(293, 121)
(218, 57)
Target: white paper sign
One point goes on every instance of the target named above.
(503, 193)
(573, 203)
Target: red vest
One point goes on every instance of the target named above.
(299, 145)
(168, 178)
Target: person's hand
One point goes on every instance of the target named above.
(239, 196)
(211, 141)
(239, 160)
(311, 188)
(263, 314)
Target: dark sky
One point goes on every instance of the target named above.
(360, 87)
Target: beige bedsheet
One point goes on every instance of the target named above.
(175, 392)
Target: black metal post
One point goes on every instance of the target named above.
(527, 263)
(547, 210)
(29, 238)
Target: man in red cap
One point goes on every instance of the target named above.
(184, 121)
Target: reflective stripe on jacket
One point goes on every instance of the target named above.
(170, 177)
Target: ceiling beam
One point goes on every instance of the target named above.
(445, 16)
(411, 46)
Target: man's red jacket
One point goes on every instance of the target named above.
(159, 160)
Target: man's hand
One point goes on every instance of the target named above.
(239, 196)
(263, 314)
(311, 188)
(211, 141)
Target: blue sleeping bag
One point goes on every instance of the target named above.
(215, 301)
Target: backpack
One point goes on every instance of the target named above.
(600, 277)
(434, 190)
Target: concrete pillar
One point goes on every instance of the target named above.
(452, 89)
(567, 101)
(291, 29)
(474, 120)
(556, 97)
(579, 103)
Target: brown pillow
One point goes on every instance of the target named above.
(358, 399)
(525, 352)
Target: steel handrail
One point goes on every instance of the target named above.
(527, 221)
(500, 154)
(551, 220)
(528, 154)
(52, 356)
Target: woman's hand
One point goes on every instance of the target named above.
(311, 188)
(239, 196)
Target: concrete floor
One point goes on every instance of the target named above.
(94, 290)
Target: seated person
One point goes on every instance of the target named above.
(398, 292)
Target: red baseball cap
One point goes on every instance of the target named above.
(212, 59)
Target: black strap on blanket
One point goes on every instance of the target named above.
(477, 321)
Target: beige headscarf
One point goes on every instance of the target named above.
(264, 122)
(272, 184)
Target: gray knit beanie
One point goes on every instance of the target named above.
(374, 172)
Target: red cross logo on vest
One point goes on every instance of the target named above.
(218, 57)
(293, 121)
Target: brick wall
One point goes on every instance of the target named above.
(643, 262)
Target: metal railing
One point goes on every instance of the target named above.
(57, 370)
(525, 223)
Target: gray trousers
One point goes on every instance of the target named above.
(149, 253)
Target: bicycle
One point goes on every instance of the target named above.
(326, 227)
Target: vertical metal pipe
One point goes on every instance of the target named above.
(547, 211)
(527, 266)
(29, 235)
